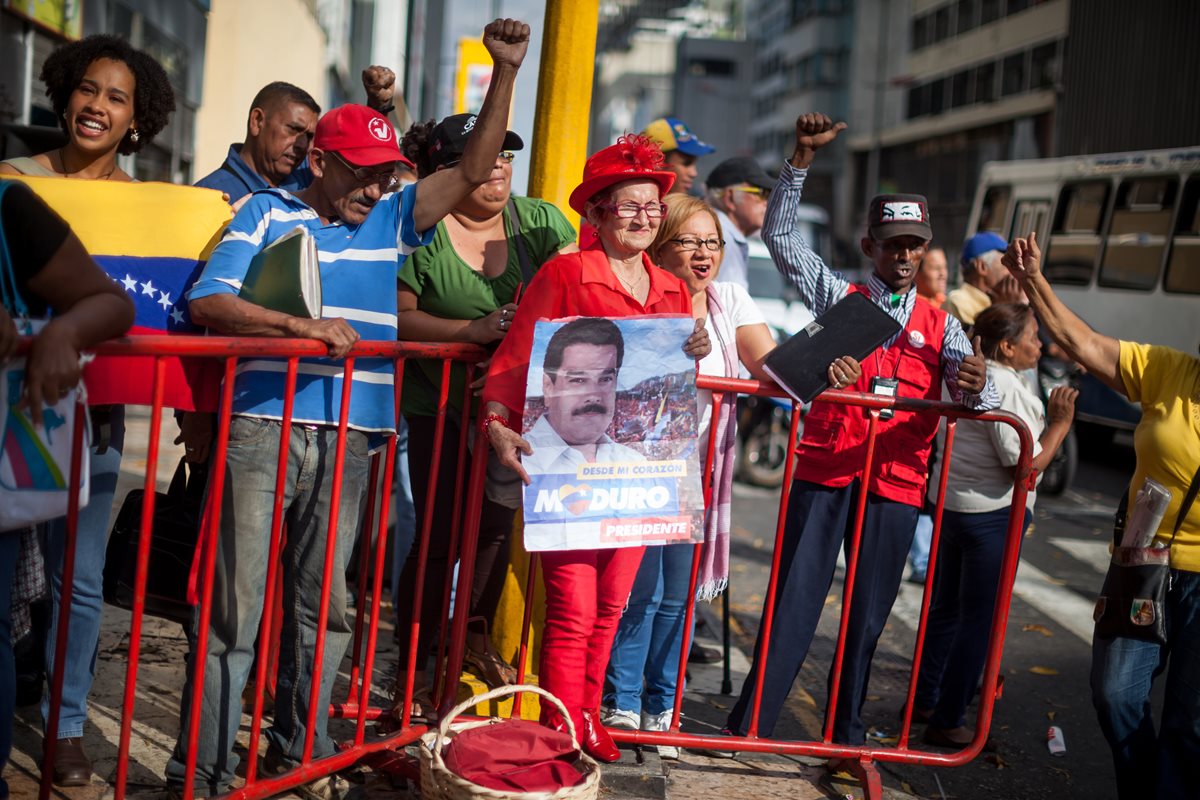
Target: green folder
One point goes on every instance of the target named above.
(286, 276)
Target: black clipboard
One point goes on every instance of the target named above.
(853, 326)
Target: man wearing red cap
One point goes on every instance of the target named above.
(930, 351)
(363, 225)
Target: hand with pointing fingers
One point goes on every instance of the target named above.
(1023, 258)
(972, 372)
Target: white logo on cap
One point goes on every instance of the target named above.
(469, 125)
(898, 211)
(380, 129)
(916, 339)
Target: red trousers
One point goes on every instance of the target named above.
(586, 591)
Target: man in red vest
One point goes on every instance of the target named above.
(930, 350)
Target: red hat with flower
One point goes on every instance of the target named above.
(632, 158)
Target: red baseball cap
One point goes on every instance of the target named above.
(632, 158)
(360, 134)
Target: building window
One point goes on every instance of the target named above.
(712, 68)
(1014, 75)
(985, 83)
(990, 11)
(922, 30)
(968, 15)
(941, 24)
(1016, 6)
(937, 97)
(1044, 68)
(960, 89)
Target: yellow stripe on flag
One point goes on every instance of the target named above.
(156, 220)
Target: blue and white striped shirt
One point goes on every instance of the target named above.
(359, 266)
(820, 287)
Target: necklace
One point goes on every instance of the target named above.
(631, 288)
(62, 158)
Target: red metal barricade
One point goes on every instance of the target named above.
(357, 704)
(860, 760)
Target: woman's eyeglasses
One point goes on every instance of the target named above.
(386, 180)
(631, 210)
(689, 245)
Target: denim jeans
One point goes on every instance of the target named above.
(918, 553)
(10, 551)
(970, 557)
(87, 596)
(405, 532)
(1165, 763)
(237, 594)
(650, 634)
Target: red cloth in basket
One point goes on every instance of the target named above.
(514, 755)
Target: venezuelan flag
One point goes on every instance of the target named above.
(153, 239)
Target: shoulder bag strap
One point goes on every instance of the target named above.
(518, 240)
(1186, 505)
(9, 295)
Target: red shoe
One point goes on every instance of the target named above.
(596, 741)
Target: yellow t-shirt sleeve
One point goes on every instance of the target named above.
(1150, 370)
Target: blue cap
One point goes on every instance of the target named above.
(672, 134)
(982, 243)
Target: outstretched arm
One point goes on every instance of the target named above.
(819, 286)
(506, 40)
(1099, 354)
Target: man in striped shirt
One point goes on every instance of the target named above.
(930, 351)
(364, 226)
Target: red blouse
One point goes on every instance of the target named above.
(575, 285)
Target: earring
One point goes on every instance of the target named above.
(134, 136)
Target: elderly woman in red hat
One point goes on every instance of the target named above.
(621, 195)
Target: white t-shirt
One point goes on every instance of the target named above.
(740, 310)
(981, 470)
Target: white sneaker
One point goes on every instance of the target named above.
(621, 720)
(661, 722)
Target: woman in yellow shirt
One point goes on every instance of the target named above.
(1167, 445)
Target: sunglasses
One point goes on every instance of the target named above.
(386, 180)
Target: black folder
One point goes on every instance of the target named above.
(854, 326)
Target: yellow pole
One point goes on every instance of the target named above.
(564, 101)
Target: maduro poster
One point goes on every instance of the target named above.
(610, 413)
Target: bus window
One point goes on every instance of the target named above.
(994, 214)
(1183, 268)
(1075, 243)
(1031, 215)
(1138, 233)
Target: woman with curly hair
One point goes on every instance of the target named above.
(109, 98)
(463, 287)
(621, 195)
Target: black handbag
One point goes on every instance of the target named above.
(1134, 596)
(176, 530)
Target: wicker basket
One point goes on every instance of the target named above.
(439, 783)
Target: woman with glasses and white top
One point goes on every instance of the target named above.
(646, 652)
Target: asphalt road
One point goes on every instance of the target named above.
(1046, 656)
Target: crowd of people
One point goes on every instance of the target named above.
(421, 238)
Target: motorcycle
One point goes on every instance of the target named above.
(1058, 475)
(763, 446)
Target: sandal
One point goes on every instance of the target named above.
(424, 710)
(487, 663)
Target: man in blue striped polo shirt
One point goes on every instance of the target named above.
(363, 227)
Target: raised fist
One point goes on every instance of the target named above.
(506, 41)
(380, 86)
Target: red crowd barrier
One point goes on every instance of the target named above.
(465, 526)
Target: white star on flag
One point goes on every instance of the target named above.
(148, 288)
(129, 283)
(176, 316)
(164, 299)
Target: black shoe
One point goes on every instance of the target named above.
(699, 654)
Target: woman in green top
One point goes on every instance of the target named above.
(463, 288)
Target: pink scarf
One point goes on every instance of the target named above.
(714, 557)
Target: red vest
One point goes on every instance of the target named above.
(833, 449)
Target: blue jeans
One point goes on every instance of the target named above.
(970, 556)
(87, 596)
(918, 553)
(239, 581)
(10, 551)
(650, 634)
(406, 513)
(1165, 763)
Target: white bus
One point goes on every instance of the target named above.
(1120, 236)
